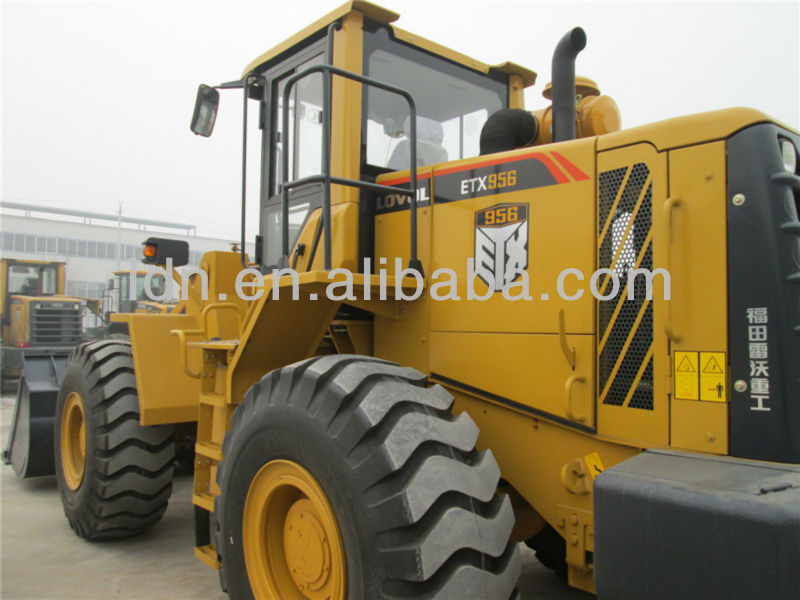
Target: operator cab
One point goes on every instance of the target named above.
(370, 127)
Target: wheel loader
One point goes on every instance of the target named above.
(40, 327)
(126, 292)
(36, 314)
(466, 325)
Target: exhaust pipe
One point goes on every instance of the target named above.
(563, 77)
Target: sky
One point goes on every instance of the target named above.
(97, 95)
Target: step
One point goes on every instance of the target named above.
(209, 450)
(204, 500)
(214, 344)
(208, 554)
(212, 399)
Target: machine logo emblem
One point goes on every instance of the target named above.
(501, 244)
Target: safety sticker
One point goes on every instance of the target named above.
(687, 376)
(594, 463)
(712, 376)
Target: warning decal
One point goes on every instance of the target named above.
(687, 365)
(686, 376)
(700, 376)
(712, 366)
(594, 463)
(712, 376)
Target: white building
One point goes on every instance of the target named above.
(93, 245)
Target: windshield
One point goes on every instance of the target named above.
(156, 286)
(452, 103)
(33, 280)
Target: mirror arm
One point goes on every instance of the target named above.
(230, 85)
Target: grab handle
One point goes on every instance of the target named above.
(669, 205)
(571, 414)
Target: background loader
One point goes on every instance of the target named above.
(643, 438)
(126, 293)
(40, 327)
(35, 312)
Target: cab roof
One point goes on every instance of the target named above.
(387, 17)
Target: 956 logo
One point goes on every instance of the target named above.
(501, 244)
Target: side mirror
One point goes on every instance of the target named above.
(158, 250)
(110, 284)
(205, 110)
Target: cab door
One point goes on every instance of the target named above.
(303, 143)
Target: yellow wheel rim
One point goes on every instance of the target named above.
(73, 441)
(292, 546)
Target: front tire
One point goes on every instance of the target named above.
(392, 496)
(114, 475)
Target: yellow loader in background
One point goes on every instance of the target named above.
(396, 437)
(126, 292)
(35, 311)
(40, 327)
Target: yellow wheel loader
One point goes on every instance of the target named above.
(467, 325)
(36, 314)
(129, 292)
(40, 327)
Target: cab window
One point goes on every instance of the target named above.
(304, 139)
(452, 101)
(33, 280)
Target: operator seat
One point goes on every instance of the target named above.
(31, 287)
(429, 145)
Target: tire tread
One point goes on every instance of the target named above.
(442, 529)
(128, 475)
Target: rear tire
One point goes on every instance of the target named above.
(414, 502)
(114, 475)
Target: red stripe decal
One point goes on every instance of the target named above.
(542, 158)
(574, 171)
(557, 174)
(404, 179)
(554, 170)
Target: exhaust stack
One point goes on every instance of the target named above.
(563, 75)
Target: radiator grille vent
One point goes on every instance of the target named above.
(625, 325)
(55, 324)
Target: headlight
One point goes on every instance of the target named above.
(76, 306)
(37, 305)
(789, 155)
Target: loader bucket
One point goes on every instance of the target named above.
(30, 441)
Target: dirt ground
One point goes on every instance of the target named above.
(41, 558)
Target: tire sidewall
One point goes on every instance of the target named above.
(285, 433)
